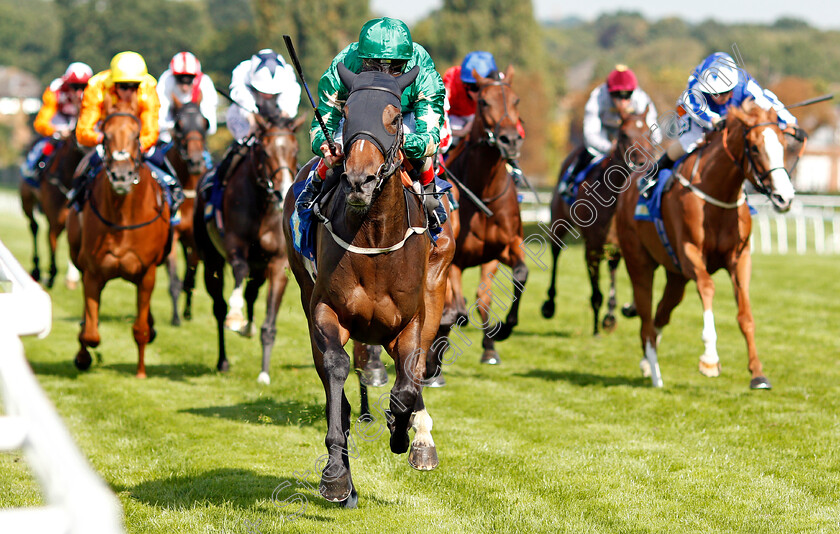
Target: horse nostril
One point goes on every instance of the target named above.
(505, 140)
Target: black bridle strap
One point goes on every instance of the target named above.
(115, 226)
(492, 139)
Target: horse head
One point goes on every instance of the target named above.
(121, 144)
(763, 157)
(277, 150)
(498, 113)
(190, 134)
(633, 144)
(373, 132)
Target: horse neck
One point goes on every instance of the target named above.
(188, 181)
(484, 163)
(719, 176)
(120, 208)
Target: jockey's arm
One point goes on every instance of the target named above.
(594, 134)
(164, 90)
(209, 103)
(289, 98)
(766, 99)
(87, 132)
(694, 102)
(43, 121)
(331, 97)
(426, 97)
(149, 107)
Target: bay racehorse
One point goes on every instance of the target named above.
(187, 159)
(380, 280)
(247, 234)
(122, 231)
(707, 222)
(595, 221)
(55, 180)
(482, 167)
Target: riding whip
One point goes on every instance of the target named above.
(810, 101)
(291, 48)
(470, 195)
(232, 101)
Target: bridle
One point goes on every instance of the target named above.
(192, 132)
(491, 137)
(263, 176)
(747, 158)
(392, 158)
(122, 155)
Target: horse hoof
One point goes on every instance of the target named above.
(264, 379)
(50, 283)
(223, 367)
(608, 324)
(399, 442)
(644, 365)
(141, 374)
(423, 457)
(712, 370)
(36, 275)
(352, 501)
(629, 310)
(375, 378)
(176, 321)
(249, 330)
(449, 316)
(235, 322)
(548, 309)
(435, 382)
(71, 284)
(760, 382)
(188, 314)
(490, 357)
(83, 360)
(336, 489)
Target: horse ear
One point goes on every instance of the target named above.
(346, 75)
(478, 77)
(298, 122)
(509, 71)
(408, 78)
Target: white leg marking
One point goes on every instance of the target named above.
(72, 272)
(264, 378)
(423, 429)
(650, 356)
(776, 156)
(710, 356)
(236, 300)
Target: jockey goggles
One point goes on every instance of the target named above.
(185, 79)
(621, 95)
(77, 86)
(127, 86)
(390, 66)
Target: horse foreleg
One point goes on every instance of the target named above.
(174, 281)
(89, 335)
(333, 364)
(515, 259)
(277, 280)
(71, 279)
(143, 329)
(235, 319)
(28, 203)
(457, 288)
(612, 302)
(641, 272)
(52, 240)
(709, 361)
(360, 361)
(484, 299)
(740, 274)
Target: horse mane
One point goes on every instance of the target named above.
(751, 113)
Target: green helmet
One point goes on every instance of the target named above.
(385, 38)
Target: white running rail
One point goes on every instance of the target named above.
(78, 501)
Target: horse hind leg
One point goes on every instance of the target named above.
(214, 278)
(548, 307)
(52, 238)
(89, 335)
(519, 277)
(143, 325)
(490, 322)
(235, 319)
(593, 266)
(71, 279)
(191, 255)
(33, 228)
(277, 280)
(609, 322)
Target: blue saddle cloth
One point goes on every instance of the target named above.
(570, 194)
(650, 209)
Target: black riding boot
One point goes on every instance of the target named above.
(645, 187)
(432, 205)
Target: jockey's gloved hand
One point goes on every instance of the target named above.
(330, 159)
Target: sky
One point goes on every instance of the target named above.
(823, 14)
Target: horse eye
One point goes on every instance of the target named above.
(516, 102)
(754, 149)
(482, 102)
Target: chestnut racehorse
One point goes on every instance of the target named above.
(250, 238)
(379, 279)
(123, 230)
(55, 180)
(708, 223)
(597, 227)
(482, 240)
(187, 159)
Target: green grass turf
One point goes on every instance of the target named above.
(564, 436)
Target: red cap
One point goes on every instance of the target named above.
(621, 79)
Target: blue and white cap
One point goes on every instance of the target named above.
(266, 74)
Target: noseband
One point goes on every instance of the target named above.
(122, 155)
(761, 178)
